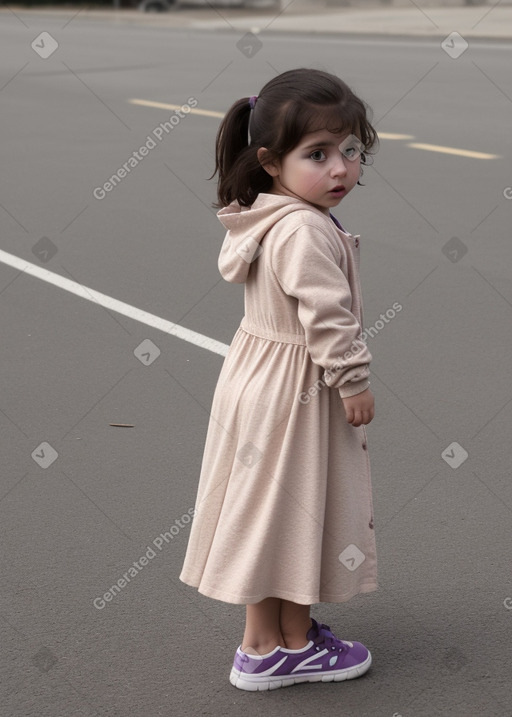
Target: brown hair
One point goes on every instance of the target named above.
(291, 105)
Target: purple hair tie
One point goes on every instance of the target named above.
(252, 101)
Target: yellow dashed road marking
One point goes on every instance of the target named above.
(453, 150)
(390, 135)
(165, 106)
(383, 135)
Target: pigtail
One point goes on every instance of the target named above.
(240, 173)
(232, 136)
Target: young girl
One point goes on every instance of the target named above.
(284, 513)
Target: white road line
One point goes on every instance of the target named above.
(119, 307)
(152, 320)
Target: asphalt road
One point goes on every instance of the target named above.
(76, 514)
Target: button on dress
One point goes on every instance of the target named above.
(284, 501)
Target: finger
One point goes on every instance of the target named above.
(357, 418)
(367, 417)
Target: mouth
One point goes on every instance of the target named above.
(337, 190)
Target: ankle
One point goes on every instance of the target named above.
(297, 638)
(296, 643)
(261, 645)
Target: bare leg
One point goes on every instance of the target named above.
(262, 631)
(274, 622)
(294, 621)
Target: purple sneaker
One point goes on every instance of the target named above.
(324, 659)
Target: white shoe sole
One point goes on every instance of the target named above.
(253, 683)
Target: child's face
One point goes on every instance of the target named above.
(321, 170)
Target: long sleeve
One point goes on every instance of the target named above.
(307, 265)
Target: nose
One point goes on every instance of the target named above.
(339, 168)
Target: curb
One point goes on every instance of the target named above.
(183, 21)
(354, 34)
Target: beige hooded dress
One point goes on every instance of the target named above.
(284, 504)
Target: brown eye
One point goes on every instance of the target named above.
(317, 155)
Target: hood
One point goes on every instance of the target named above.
(246, 228)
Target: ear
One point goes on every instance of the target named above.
(272, 166)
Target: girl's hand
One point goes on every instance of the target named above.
(359, 408)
